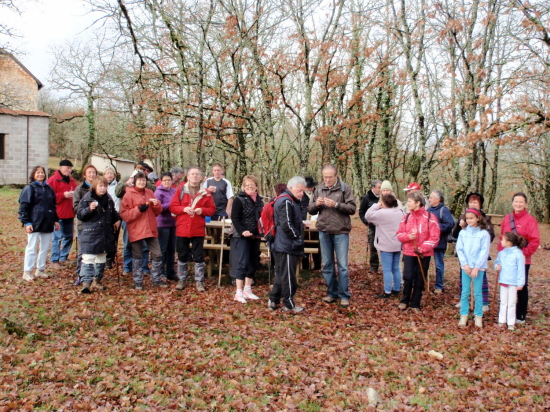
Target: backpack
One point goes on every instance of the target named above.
(450, 237)
(266, 223)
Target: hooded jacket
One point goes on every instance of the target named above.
(191, 226)
(333, 220)
(526, 226)
(37, 207)
(512, 261)
(472, 247)
(61, 184)
(165, 196)
(427, 232)
(446, 223)
(139, 225)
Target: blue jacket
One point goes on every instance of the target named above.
(37, 207)
(289, 227)
(446, 223)
(472, 247)
(513, 266)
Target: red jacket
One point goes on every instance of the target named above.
(64, 206)
(139, 225)
(526, 226)
(427, 232)
(191, 226)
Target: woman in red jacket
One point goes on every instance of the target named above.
(522, 223)
(419, 232)
(191, 204)
(140, 209)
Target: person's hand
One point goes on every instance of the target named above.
(418, 252)
(329, 202)
(143, 207)
(519, 287)
(29, 228)
(56, 226)
(198, 211)
(116, 225)
(462, 223)
(129, 182)
(93, 206)
(154, 201)
(247, 233)
(189, 211)
(498, 267)
(320, 201)
(412, 235)
(474, 273)
(68, 194)
(212, 189)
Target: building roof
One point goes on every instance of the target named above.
(118, 159)
(22, 112)
(38, 82)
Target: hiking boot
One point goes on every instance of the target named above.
(160, 284)
(41, 274)
(247, 293)
(180, 285)
(511, 327)
(172, 277)
(138, 286)
(384, 295)
(96, 284)
(272, 305)
(343, 303)
(200, 287)
(28, 276)
(55, 266)
(295, 309)
(85, 288)
(463, 321)
(402, 306)
(478, 321)
(240, 298)
(328, 299)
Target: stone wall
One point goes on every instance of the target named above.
(18, 89)
(17, 163)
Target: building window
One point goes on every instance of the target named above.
(2, 146)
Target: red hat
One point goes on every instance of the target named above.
(412, 186)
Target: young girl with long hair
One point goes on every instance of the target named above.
(511, 264)
(472, 248)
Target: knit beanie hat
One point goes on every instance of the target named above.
(386, 185)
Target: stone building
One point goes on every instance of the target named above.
(24, 131)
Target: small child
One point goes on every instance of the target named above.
(511, 264)
(472, 248)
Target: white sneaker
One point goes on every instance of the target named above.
(478, 321)
(240, 298)
(485, 308)
(40, 274)
(27, 275)
(247, 293)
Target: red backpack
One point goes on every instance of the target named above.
(266, 224)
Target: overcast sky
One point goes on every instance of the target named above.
(43, 24)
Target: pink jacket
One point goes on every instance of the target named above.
(526, 226)
(427, 232)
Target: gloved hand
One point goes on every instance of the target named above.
(143, 207)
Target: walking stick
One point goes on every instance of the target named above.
(117, 269)
(495, 296)
(426, 284)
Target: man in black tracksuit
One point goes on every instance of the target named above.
(288, 245)
(372, 197)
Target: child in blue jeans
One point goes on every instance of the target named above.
(472, 248)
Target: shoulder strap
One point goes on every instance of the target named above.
(513, 223)
(441, 214)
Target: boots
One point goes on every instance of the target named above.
(27, 275)
(86, 288)
(99, 271)
(137, 273)
(156, 267)
(463, 321)
(199, 276)
(87, 272)
(40, 274)
(183, 270)
(478, 321)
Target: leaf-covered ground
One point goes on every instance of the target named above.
(168, 350)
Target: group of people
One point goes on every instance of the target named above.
(160, 218)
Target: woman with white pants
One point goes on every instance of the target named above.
(38, 215)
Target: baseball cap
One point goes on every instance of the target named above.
(412, 186)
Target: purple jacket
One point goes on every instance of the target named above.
(165, 196)
(387, 222)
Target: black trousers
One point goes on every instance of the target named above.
(413, 280)
(374, 262)
(523, 297)
(284, 284)
(244, 257)
(190, 247)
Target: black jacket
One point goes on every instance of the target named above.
(245, 214)
(288, 225)
(366, 202)
(97, 234)
(37, 207)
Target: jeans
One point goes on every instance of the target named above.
(167, 242)
(439, 255)
(62, 240)
(465, 295)
(392, 271)
(337, 285)
(127, 254)
(30, 250)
